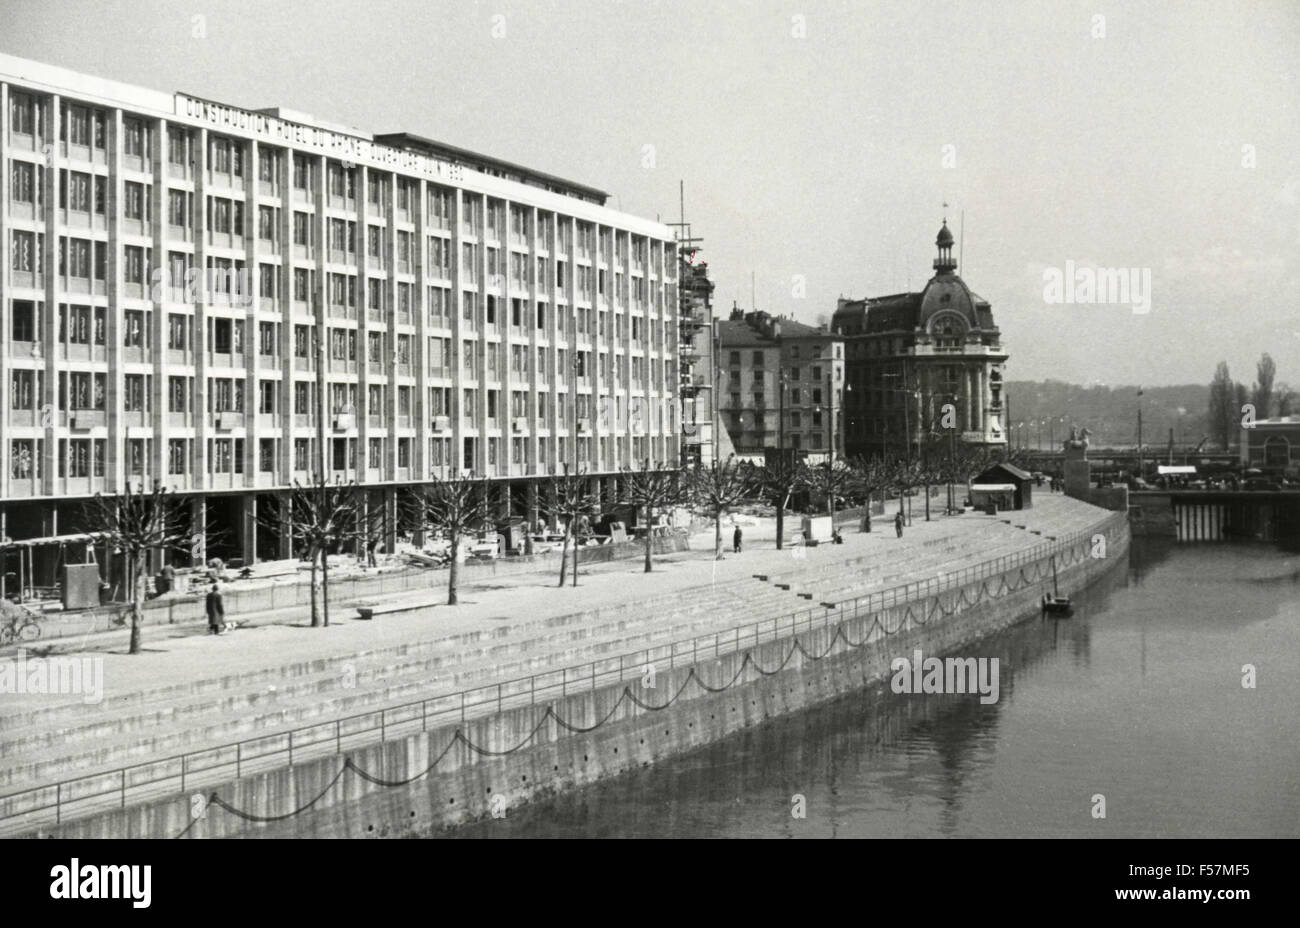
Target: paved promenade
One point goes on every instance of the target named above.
(188, 692)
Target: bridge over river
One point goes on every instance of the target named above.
(1216, 515)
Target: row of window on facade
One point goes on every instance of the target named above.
(86, 457)
(86, 127)
(226, 280)
(759, 378)
(87, 390)
(85, 325)
(757, 358)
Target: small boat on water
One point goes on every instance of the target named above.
(1053, 602)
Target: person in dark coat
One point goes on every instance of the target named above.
(216, 611)
(735, 540)
(898, 524)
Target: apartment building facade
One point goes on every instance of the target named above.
(174, 270)
(923, 368)
(781, 385)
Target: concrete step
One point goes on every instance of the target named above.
(171, 726)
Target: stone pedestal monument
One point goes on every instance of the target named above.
(1078, 472)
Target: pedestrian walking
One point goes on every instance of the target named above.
(735, 540)
(216, 611)
(898, 524)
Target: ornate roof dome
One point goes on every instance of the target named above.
(946, 294)
(945, 237)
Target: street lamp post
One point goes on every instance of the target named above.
(1140, 462)
(952, 457)
(577, 427)
(780, 413)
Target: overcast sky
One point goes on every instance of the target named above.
(820, 140)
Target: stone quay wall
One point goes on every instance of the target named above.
(456, 768)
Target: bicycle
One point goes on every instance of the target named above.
(19, 624)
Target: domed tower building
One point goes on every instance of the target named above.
(909, 355)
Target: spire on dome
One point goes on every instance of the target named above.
(945, 263)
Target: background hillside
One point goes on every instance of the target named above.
(1109, 411)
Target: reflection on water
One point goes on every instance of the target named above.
(1137, 698)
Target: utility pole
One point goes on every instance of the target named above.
(1140, 468)
(952, 458)
(577, 427)
(830, 400)
(780, 411)
(321, 461)
(715, 355)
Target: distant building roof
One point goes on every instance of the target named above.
(760, 329)
(944, 294)
(490, 165)
(998, 470)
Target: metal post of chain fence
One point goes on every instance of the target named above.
(338, 736)
(123, 787)
(498, 699)
(462, 708)
(183, 756)
(593, 676)
(290, 749)
(532, 684)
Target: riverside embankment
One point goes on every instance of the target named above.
(420, 766)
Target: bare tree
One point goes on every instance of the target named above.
(719, 487)
(777, 481)
(320, 517)
(869, 477)
(457, 508)
(137, 522)
(904, 476)
(830, 479)
(569, 496)
(654, 489)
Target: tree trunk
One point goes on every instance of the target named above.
(137, 601)
(780, 524)
(325, 585)
(649, 543)
(564, 556)
(453, 568)
(575, 556)
(717, 535)
(927, 502)
(315, 588)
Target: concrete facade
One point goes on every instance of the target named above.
(174, 271)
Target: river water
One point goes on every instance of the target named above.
(1138, 698)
